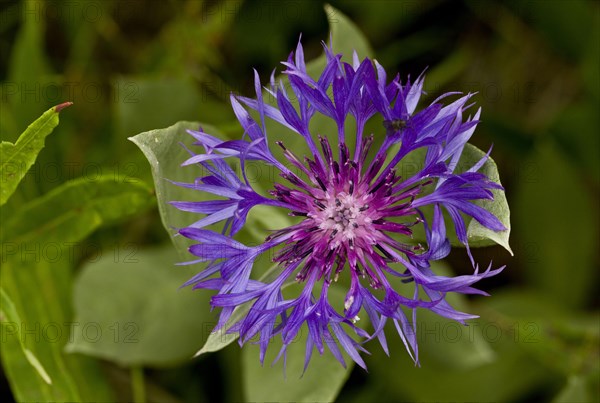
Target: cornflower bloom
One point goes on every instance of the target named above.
(355, 213)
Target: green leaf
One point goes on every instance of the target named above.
(345, 35)
(147, 321)
(74, 210)
(16, 159)
(268, 383)
(478, 235)
(8, 313)
(322, 381)
(165, 154)
(264, 219)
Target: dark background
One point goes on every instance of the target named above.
(132, 66)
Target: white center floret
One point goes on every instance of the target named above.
(342, 217)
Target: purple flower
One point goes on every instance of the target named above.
(355, 213)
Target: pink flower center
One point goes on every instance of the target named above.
(343, 217)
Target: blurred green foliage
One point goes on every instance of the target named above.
(85, 209)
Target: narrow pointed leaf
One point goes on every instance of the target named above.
(72, 211)
(17, 158)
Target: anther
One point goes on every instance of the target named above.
(321, 185)
(385, 252)
(298, 214)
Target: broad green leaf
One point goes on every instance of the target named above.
(165, 153)
(220, 339)
(148, 320)
(163, 149)
(263, 219)
(10, 317)
(322, 381)
(559, 236)
(74, 210)
(345, 35)
(17, 158)
(447, 343)
(478, 235)
(448, 351)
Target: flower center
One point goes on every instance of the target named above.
(343, 217)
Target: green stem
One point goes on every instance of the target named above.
(137, 384)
